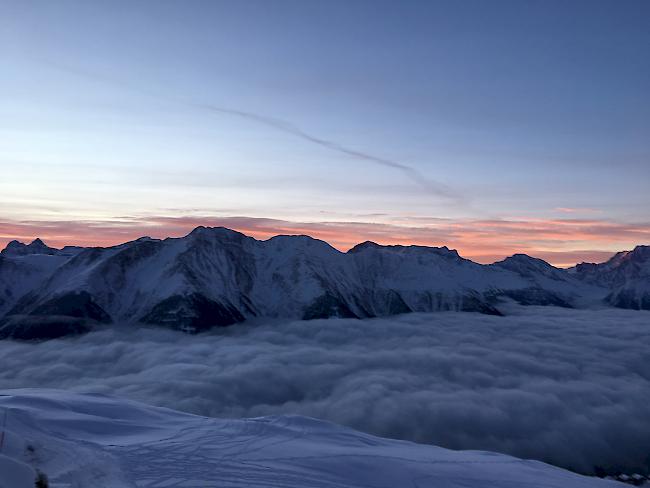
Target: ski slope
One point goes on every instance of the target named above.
(99, 441)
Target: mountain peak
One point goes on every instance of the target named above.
(198, 229)
(201, 236)
(202, 231)
(37, 246)
(627, 273)
(13, 247)
(442, 251)
(521, 259)
(364, 245)
(642, 252)
(639, 254)
(530, 267)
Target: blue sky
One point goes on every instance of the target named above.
(527, 111)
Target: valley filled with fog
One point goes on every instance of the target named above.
(569, 387)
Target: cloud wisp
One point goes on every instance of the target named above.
(567, 387)
(435, 188)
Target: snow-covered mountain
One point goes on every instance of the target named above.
(626, 275)
(74, 440)
(216, 276)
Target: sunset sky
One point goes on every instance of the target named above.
(490, 127)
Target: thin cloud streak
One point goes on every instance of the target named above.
(562, 242)
(410, 172)
(581, 210)
(434, 187)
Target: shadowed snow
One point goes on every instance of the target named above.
(106, 442)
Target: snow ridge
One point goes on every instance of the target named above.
(100, 441)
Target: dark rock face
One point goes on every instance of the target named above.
(192, 313)
(630, 299)
(396, 304)
(327, 306)
(42, 327)
(68, 314)
(535, 296)
(76, 304)
(472, 303)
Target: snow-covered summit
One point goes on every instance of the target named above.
(37, 246)
(94, 440)
(369, 246)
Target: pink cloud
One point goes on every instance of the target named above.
(562, 242)
(580, 210)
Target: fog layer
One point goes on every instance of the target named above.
(568, 387)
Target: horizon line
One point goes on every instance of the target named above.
(215, 227)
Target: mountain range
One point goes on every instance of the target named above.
(217, 277)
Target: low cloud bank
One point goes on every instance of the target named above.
(567, 387)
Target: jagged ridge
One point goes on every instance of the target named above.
(218, 277)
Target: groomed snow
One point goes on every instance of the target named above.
(99, 441)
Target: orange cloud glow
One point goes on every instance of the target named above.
(562, 242)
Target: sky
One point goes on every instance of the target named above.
(490, 127)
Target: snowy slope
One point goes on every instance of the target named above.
(216, 276)
(21, 274)
(99, 441)
(24, 267)
(626, 275)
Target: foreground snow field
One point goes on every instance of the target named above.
(101, 441)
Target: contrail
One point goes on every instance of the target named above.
(434, 187)
(289, 128)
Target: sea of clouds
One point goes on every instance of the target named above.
(568, 387)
